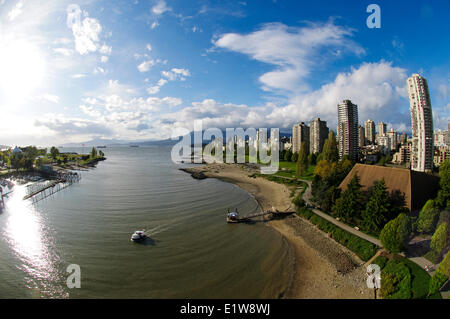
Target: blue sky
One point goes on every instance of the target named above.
(136, 70)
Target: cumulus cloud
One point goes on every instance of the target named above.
(172, 75)
(67, 126)
(15, 11)
(50, 98)
(63, 51)
(292, 50)
(176, 74)
(379, 90)
(160, 7)
(78, 76)
(146, 65)
(86, 34)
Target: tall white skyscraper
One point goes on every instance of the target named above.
(392, 134)
(348, 129)
(361, 136)
(369, 131)
(300, 133)
(382, 129)
(318, 133)
(421, 122)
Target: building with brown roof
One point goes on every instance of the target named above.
(417, 187)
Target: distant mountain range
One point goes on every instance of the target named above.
(114, 142)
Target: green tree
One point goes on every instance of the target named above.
(17, 161)
(349, 204)
(394, 234)
(93, 152)
(443, 198)
(439, 238)
(294, 157)
(441, 275)
(324, 169)
(330, 148)
(377, 208)
(428, 217)
(54, 152)
(312, 159)
(288, 155)
(302, 161)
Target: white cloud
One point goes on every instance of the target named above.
(63, 51)
(175, 74)
(172, 75)
(292, 50)
(86, 35)
(148, 47)
(98, 70)
(155, 89)
(160, 7)
(51, 98)
(90, 110)
(104, 49)
(78, 76)
(15, 11)
(379, 90)
(154, 24)
(104, 59)
(146, 65)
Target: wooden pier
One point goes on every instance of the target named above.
(273, 214)
(39, 191)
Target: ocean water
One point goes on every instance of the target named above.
(191, 253)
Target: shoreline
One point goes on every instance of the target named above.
(322, 267)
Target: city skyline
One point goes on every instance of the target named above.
(207, 61)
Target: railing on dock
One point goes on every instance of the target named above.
(39, 191)
(274, 213)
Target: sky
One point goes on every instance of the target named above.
(72, 71)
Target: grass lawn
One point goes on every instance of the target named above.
(420, 279)
(290, 170)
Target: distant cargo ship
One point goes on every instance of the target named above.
(134, 145)
(101, 146)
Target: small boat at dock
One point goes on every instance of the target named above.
(233, 217)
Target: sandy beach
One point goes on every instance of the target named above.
(322, 268)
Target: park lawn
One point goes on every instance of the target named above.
(420, 279)
(291, 168)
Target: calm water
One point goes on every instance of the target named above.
(192, 253)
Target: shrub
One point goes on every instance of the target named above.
(444, 266)
(427, 218)
(439, 239)
(436, 282)
(362, 248)
(395, 233)
(441, 275)
(396, 280)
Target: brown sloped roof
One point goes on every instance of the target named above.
(417, 187)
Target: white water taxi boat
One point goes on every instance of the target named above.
(138, 235)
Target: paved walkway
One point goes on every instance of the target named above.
(421, 261)
(307, 198)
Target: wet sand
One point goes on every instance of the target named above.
(322, 267)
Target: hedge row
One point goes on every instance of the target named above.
(364, 249)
